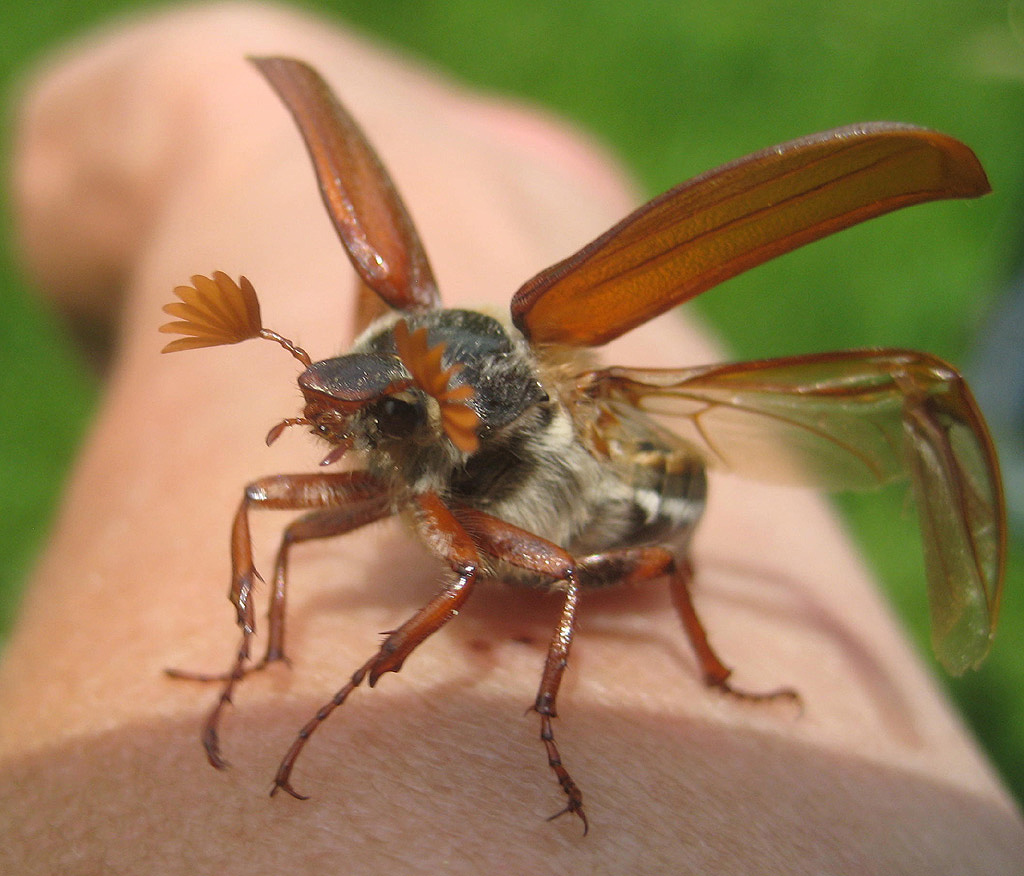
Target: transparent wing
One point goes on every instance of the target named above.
(855, 420)
(372, 222)
(737, 216)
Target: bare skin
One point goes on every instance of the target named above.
(157, 152)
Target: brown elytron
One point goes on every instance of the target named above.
(463, 423)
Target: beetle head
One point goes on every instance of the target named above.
(376, 400)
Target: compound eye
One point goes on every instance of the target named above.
(397, 418)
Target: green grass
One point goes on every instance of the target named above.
(673, 88)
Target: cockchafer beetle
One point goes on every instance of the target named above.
(485, 432)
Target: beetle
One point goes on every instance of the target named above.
(484, 432)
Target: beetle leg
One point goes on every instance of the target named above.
(716, 674)
(342, 502)
(528, 551)
(324, 523)
(641, 564)
(441, 529)
(544, 705)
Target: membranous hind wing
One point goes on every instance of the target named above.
(854, 420)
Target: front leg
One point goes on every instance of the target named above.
(353, 498)
(338, 503)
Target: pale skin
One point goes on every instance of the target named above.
(156, 152)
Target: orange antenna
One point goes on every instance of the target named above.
(216, 310)
(458, 419)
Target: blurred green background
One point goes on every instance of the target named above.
(673, 88)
